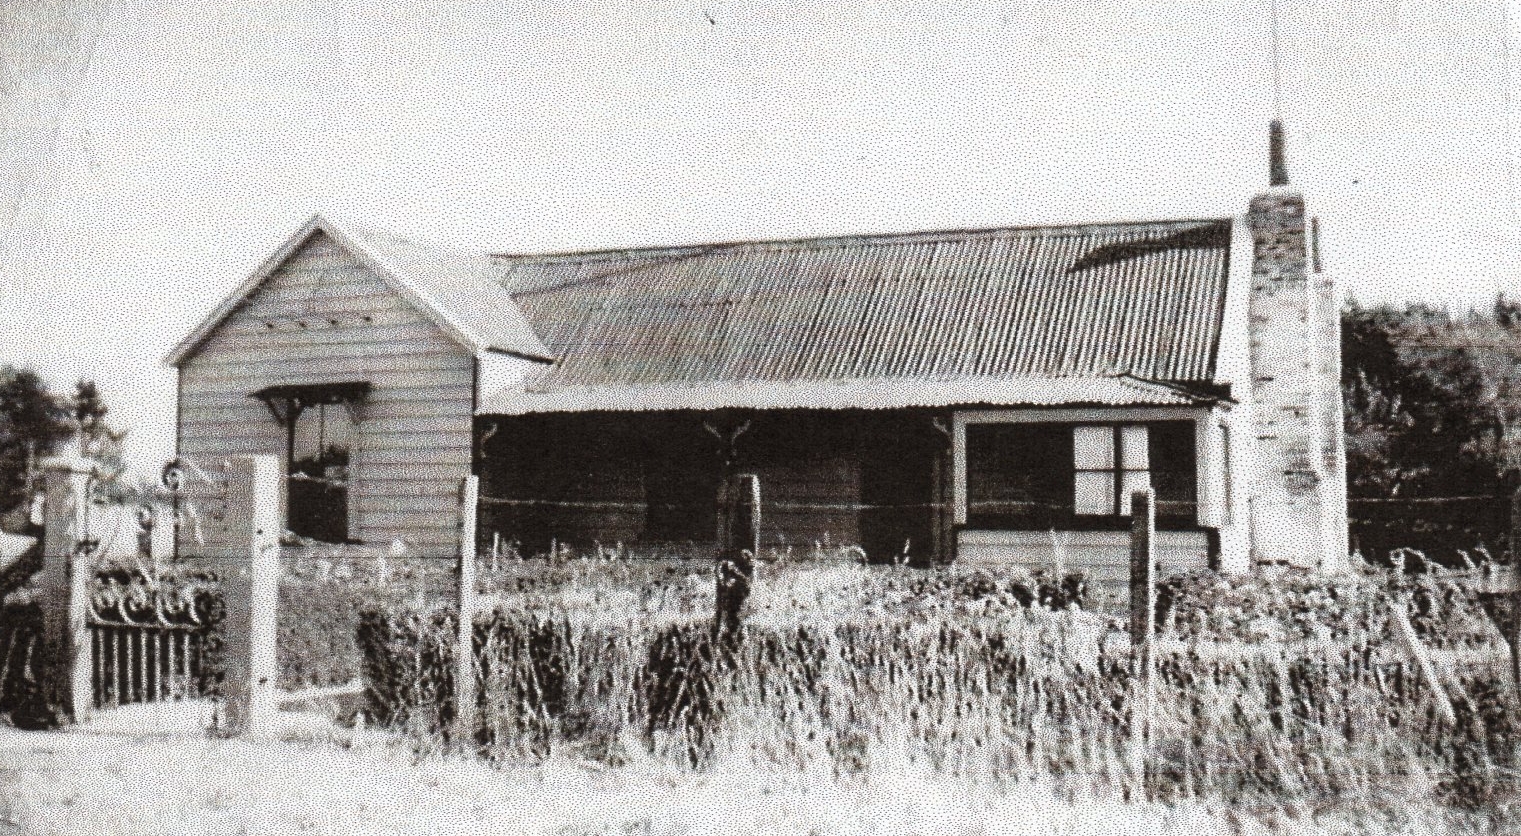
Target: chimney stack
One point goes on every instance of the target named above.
(1298, 494)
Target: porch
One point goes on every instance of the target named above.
(1009, 486)
(648, 481)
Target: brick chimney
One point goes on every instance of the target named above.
(1298, 506)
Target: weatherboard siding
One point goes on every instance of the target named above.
(1105, 555)
(324, 317)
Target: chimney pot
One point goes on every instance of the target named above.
(1278, 167)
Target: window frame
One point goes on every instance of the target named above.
(1201, 418)
(287, 403)
(1117, 469)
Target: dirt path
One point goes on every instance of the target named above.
(102, 782)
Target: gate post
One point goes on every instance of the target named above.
(739, 545)
(68, 568)
(1143, 627)
(1143, 570)
(244, 546)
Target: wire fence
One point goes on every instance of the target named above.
(1447, 529)
(639, 505)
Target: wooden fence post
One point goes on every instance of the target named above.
(1143, 570)
(242, 532)
(1416, 649)
(466, 707)
(739, 543)
(65, 585)
(1143, 614)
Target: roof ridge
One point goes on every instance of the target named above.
(832, 241)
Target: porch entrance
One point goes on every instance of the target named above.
(835, 482)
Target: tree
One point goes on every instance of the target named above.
(32, 424)
(88, 408)
(102, 443)
(1424, 422)
(1421, 420)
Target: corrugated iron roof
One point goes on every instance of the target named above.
(957, 309)
(877, 393)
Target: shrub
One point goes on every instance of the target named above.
(846, 669)
(323, 591)
(20, 655)
(407, 669)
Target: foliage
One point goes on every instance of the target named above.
(1430, 444)
(407, 669)
(1304, 607)
(102, 443)
(323, 590)
(34, 421)
(850, 669)
(20, 696)
(1420, 420)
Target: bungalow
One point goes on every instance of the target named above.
(990, 395)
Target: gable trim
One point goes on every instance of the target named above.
(392, 278)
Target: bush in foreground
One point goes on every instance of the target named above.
(850, 670)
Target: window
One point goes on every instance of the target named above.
(1041, 476)
(321, 426)
(1109, 464)
(317, 496)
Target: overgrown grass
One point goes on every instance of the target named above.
(323, 589)
(849, 670)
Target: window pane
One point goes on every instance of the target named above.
(1093, 448)
(1134, 448)
(1018, 475)
(317, 490)
(1093, 493)
(1134, 480)
(320, 448)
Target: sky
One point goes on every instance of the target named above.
(153, 152)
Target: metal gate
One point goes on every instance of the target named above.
(149, 629)
(153, 639)
(154, 633)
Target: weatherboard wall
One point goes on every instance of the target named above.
(323, 317)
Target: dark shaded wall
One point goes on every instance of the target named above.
(650, 481)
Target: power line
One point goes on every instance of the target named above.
(1277, 79)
